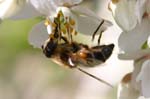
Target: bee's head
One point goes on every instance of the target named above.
(49, 47)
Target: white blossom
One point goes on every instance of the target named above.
(133, 18)
(123, 13)
(133, 40)
(144, 78)
(142, 7)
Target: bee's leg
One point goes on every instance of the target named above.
(71, 64)
(65, 39)
(93, 36)
(99, 38)
(93, 76)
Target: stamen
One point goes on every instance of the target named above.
(47, 22)
(72, 22)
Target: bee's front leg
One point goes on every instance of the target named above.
(101, 23)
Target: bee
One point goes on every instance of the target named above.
(64, 51)
(77, 54)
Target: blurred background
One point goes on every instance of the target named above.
(25, 73)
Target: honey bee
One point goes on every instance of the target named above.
(64, 51)
(77, 54)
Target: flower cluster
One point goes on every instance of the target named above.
(86, 20)
(133, 17)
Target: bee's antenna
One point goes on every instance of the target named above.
(94, 77)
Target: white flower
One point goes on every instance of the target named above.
(124, 13)
(133, 18)
(144, 78)
(128, 12)
(142, 7)
(133, 40)
(136, 84)
(140, 77)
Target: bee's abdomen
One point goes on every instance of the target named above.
(104, 52)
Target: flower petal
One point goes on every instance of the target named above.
(134, 55)
(38, 35)
(48, 7)
(134, 39)
(45, 7)
(144, 78)
(124, 14)
(148, 6)
(28, 11)
(87, 21)
(10, 7)
(148, 42)
(68, 2)
(140, 9)
(142, 97)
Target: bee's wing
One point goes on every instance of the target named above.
(87, 21)
(38, 35)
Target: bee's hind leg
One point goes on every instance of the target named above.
(65, 39)
(99, 38)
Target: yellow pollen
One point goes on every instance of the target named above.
(53, 25)
(72, 22)
(47, 22)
